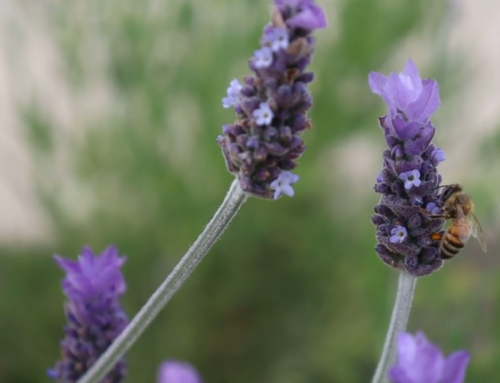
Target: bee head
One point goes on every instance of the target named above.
(449, 190)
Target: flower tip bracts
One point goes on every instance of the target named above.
(420, 361)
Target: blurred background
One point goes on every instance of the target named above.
(109, 112)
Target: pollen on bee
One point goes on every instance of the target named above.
(436, 236)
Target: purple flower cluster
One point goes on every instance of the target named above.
(93, 286)
(419, 361)
(409, 179)
(261, 146)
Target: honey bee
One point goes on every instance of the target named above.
(459, 207)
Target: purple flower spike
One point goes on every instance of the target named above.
(173, 371)
(271, 106)
(93, 286)
(409, 179)
(419, 361)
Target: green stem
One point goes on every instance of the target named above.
(399, 320)
(226, 212)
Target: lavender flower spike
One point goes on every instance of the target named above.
(93, 286)
(173, 371)
(409, 179)
(419, 361)
(271, 106)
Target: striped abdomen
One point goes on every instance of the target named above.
(455, 238)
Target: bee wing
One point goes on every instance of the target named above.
(476, 230)
(461, 224)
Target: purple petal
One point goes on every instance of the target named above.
(178, 372)
(455, 365)
(427, 103)
(377, 82)
(421, 142)
(412, 72)
(311, 17)
(398, 375)
(405, 130)
(400, 89)
(422, 361)
(407, 346)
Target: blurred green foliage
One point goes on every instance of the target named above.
(293, 292)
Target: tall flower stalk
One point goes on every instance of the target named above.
(408, 183)
(260, 148)
(399, 320)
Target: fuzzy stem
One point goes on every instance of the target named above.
(221, 219)
(399, 320)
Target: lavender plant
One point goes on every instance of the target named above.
(259, 148)
(93, 286)
(408, 183)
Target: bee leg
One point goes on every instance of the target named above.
(439, 216)
(424, 212)
(428, 214)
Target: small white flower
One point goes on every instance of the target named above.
(411, 178)
(283, 184)
(233, 93)
(278, 39)
(438, 155)
(263, 115)
(263, 57)
(398, 234)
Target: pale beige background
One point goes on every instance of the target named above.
(30, 69)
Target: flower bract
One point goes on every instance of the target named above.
(420, 361)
